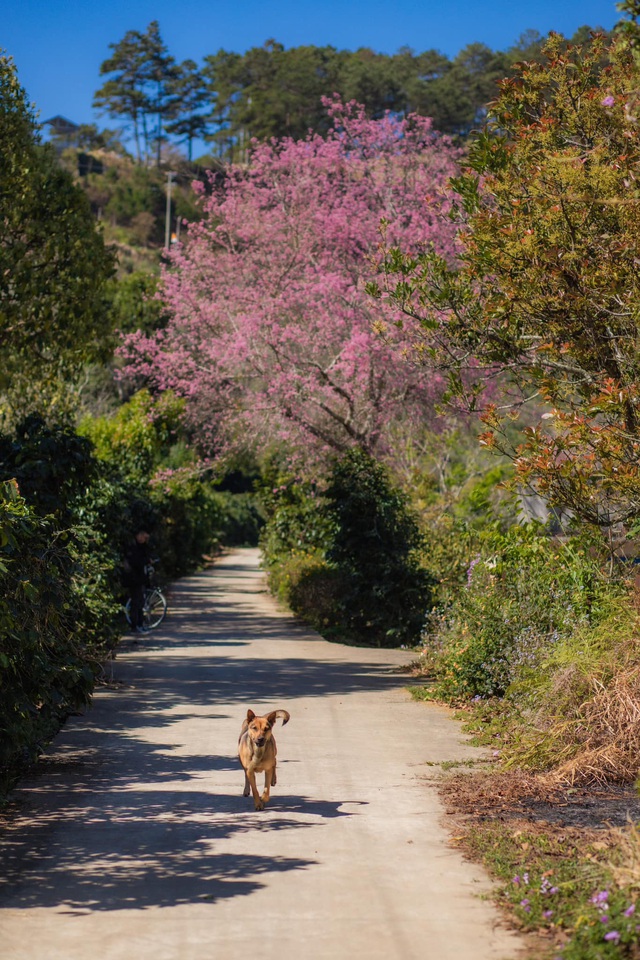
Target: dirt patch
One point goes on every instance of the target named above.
(515, 795)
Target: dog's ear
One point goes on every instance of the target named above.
(273, 716)
(250, 715)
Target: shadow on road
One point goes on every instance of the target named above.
(95, 841)
(143, 858)
(213, 678)
(113, 820)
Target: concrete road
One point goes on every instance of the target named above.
(133, 841)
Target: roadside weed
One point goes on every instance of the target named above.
(561, 886)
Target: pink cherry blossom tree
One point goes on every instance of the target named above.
(271, 333)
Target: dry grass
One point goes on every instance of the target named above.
(595, 737)
(583, 719)
(625, 869)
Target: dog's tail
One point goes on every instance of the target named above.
(284, 715)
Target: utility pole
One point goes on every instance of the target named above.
(167, 219)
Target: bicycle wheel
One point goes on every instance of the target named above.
(155, 608)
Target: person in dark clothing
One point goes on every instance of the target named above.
(136, 560)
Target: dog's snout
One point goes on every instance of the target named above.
(261, 741)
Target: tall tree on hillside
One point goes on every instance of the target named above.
(304, 76)
(160, 74)
(271, 333)
(53, 262)
(140, 91)
(455, 93)
(272, 92)
(223, 75)
(190, 95)
(124, 95)
(373, 79)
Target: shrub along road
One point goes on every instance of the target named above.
(132, 839)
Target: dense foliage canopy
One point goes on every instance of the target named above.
(547, 295)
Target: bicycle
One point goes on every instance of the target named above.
(155, 605)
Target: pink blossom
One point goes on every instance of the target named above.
(271, 333)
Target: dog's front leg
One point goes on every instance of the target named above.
(257, 802)
(268, 781)
(247, 785)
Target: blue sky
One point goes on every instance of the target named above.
(58, 45)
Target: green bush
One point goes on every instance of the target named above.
(133, 303)
(525, 592)
(374, 546)
(293, 540)
(295, 519)
(347, 558)
(190, 520)
(52, 629)
(87, 500)
(146, 445)
(133, 191)
(314, 592)
(310, 587)
(142, 435)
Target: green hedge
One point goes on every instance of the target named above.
(347, 558)
(53, 636)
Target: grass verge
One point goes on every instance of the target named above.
(566, 876)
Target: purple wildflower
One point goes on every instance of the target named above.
(608, 101)
(473, 563)
(630, 910)
(525, 905)
(612, 935)
(547, 914)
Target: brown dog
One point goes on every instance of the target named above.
(257, 752)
